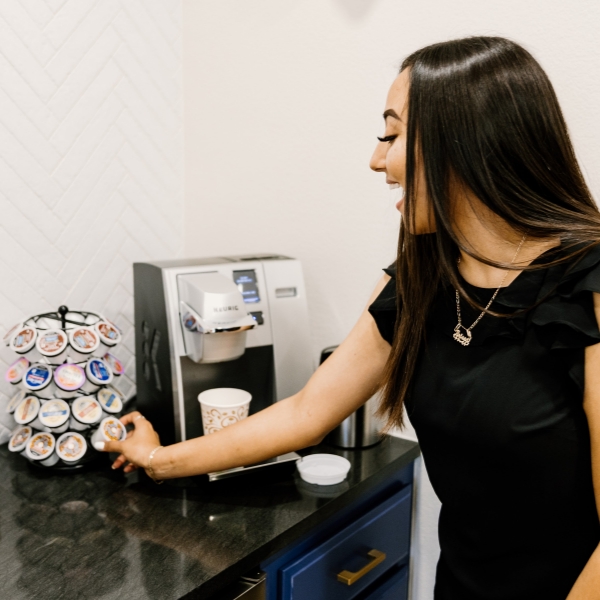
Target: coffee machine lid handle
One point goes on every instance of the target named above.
(194, 323)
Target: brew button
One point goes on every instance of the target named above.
(258, 317)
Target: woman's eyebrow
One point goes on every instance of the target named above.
(390, 112)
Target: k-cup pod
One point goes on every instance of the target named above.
(54, 416)
(109, 335)
(15, 401)
(42, 448)
(19, 438)
(86, 412)
(15, 372)
(27, 412)
(71, 447)
(69, 379)
(23, 341)
(111, 400)
(38, 379)
(110, 430)
(52, 344)
(9, 334)
(221, 407)
(84, 341)
(116, 366)
(98, 373)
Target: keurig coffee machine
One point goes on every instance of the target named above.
(237, 322)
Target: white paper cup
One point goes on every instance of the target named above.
(110, 430)
(38, 380)
(71, 447)
(52, 345)
(84, 341)
(23, 342)
(19, 438)
(27, 412)
(15, 401)
(221, 407)
(98, 373)
(15, 372)
(108, 333)
(111, 400)
(41, 447)
(69, 379)
(86, 412)
(54, 416)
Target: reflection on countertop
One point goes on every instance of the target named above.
(100, 534)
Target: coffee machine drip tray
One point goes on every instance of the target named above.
(279, 461)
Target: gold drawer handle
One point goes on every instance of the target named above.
(350, 578)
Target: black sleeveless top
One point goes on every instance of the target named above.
(504, 436)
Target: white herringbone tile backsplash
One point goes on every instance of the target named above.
(91, 155)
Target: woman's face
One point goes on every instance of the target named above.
(390, 153)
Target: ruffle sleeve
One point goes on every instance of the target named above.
(384, 307)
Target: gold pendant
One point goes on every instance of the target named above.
(465, 340)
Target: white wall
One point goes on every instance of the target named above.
(282, 105)
(91, 156)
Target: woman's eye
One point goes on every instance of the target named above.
(387, 138)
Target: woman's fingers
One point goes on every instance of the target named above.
(120, 460)
(109, 447)
(130, 468)
(133, 417)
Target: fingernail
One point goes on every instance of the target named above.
(99, 446)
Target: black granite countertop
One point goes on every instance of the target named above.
(100, 534)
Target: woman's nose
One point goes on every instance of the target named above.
(377, 162)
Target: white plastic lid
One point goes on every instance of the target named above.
(23, 340)
(108, 333)
(15, 401)
(98, 371)
(71, 446)
(112, 430)
(114, 363)
(323, 469)
(51, 342)
(40, 446)
(8, 335)
(19, 438)
(54, 413)
(27, 410)
(37, 377)
(69, 377)
(87, 410)
(84, 339)
(15, 372)
(110, 399)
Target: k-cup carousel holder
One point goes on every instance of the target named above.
(63, 381)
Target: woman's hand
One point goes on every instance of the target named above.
(136, 449)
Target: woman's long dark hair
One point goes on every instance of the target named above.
(482, 114)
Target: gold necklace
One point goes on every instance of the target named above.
(465, 338)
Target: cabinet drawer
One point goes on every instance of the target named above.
(386, 528)
(394, 587)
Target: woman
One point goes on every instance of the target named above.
(486, 331)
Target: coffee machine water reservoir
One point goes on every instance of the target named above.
(239, 321)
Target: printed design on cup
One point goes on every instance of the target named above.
(27, 411)
(52, 342)
(108, 332)
(19, 439)
(113, 429)
(71, 446)
(17, 370)
(88, 410)
(110, 399)
(41, 446)
(37, 376)
(24, 340)
(84, 339)
(114, 363)
(54, 413)
(214, 419)
(69, 377)
(98, 370)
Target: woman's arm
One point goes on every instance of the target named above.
(340, 385)
(587, 586)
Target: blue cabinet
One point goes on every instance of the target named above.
(361, 553)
